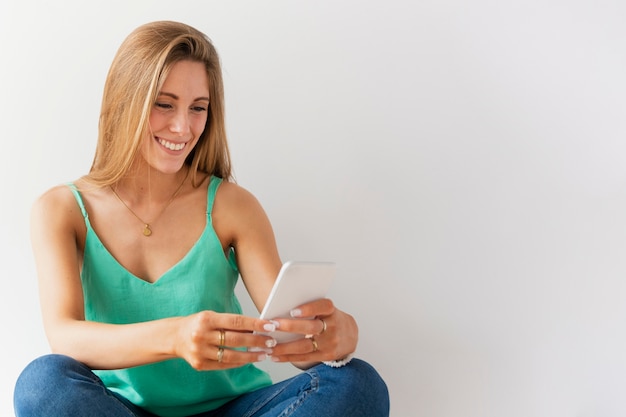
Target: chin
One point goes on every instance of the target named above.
(165, 165)
(169, 168)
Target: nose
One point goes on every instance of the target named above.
(179, 123)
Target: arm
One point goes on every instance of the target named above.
(240, 221)
(245, 223)
(57, 228)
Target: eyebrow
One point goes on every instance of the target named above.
(175, 97)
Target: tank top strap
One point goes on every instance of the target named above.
(214, 184)
(79, 199)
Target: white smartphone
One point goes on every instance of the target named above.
(297, 283)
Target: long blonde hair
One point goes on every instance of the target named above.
(135, 78)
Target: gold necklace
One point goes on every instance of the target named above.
(147, 231)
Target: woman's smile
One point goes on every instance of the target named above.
(172, 146)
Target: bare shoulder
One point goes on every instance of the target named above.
(234, 197)
(56, 198)
(238, 215)
(57, 208)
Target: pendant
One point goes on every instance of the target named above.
(146, 230)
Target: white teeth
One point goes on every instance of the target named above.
(170, 145)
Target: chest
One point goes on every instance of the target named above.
(174, 234)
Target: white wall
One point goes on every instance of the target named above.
(461, 161)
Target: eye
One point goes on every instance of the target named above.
(199, 109)
(163, 105)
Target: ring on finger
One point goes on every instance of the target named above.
(323, 325)
(220, 354)
(222, 338)
(314, 342)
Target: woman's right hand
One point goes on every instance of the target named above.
(208, 340)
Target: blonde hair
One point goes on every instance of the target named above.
(135, 78)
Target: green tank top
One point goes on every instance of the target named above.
(203, 280)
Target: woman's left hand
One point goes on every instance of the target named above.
(331, 335)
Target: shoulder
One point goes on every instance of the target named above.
(57, 208)
(57, 198)
(234, 195)
(239, 208)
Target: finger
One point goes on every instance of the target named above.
(321, 307)
(302, 350)
(301, 346)
(302, 326)
(228, 358)
(235, 322)
(232, 339)
(237, 357)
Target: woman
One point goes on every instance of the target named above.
(137, 263)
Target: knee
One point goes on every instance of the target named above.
(42, 380)
(42, 369)
(363, 375)
(364, 386)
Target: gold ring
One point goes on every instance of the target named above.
(222, 337)
(323, 324)
(314, 344)
(220, 354)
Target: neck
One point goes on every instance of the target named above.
(145, 184)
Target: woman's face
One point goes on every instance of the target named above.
(178, 117)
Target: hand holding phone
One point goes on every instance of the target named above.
(297, 283)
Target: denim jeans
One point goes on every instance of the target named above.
(58, 386)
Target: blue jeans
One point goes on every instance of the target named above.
(57, 386)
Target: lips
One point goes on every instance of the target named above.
(172, 146)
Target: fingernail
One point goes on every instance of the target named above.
(269, 327)
(262, 357)
(275, 323)
(296, 312)
(270, 343)
(274, 359)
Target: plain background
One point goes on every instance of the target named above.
(461, 161)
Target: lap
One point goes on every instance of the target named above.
(353, 390)
(63, 386)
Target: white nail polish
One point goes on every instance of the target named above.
(270, 343)
(269, 327)
(296, 312)
(262, 357)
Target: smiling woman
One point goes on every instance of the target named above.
(137, 263)
(178, 118)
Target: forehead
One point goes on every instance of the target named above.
(187, 77)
